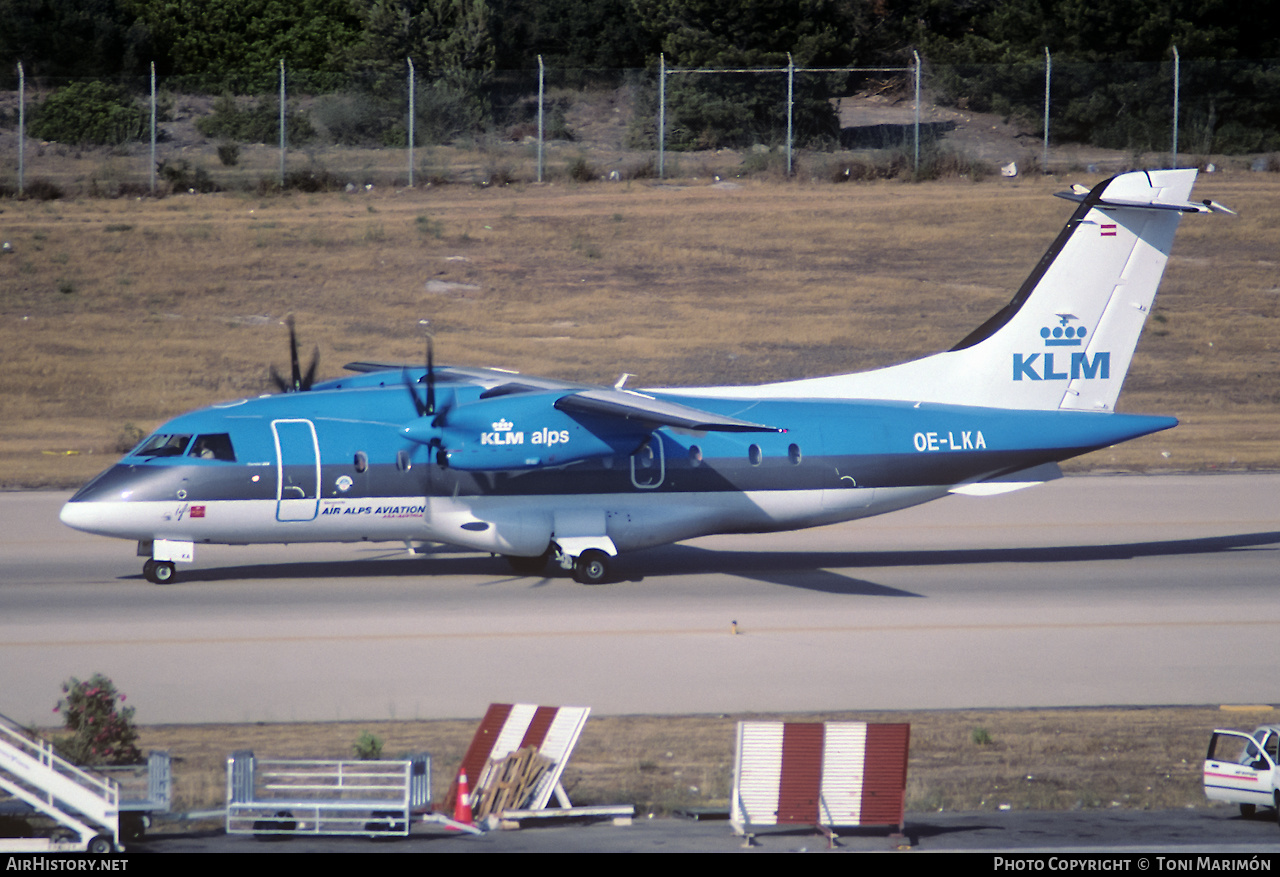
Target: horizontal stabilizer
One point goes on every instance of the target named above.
(1011, 482)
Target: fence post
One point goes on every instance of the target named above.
(662, 112)
(282, 123)
(412, 104)
(916, 55)
(153, 129)
(791, 78)
(1048, 68)
(22, 126)
(1177, 62)
(541, 129)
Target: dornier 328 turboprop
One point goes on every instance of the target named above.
(543, 470)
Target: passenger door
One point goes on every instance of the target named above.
(1238, 770)
(297, 470)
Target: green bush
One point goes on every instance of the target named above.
(42, 189)
(352, 119)
(229, 154)
(101, 732)
(368, 747)
(183, 177)
(90, 113)
(254, 122)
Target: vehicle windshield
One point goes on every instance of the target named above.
(214, 446)
(163, 445)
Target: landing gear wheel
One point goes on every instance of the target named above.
(271, 830)
(159, 572)
(591, 567)
(529, 566)
(1248, 810)
(100, 845)
(133, 826)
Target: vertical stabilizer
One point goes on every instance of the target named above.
(1067, 337)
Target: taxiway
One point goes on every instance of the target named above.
(1086, 591)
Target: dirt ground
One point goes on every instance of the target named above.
(117, 314)
(1141, 758)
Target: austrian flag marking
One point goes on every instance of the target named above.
(197, 511)
(1108, 230)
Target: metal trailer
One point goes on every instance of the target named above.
(145, 789)
(285, 797)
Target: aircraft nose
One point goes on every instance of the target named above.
(81, 516)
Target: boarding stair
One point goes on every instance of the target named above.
(86, 805)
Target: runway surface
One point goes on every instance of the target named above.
(1086, 591)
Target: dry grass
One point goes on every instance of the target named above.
(1142, 758)
(119, 312)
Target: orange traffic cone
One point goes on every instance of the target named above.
(462, 809)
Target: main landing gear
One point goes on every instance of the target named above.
(159, 572)
(591, 567)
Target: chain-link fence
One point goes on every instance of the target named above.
(317, 130)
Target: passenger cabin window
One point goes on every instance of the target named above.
(362, 461)
(403, 463)
(695, 455)
(755, 455)
(164, 445)
(793, 454)
(214, 446)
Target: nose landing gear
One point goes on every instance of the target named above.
(159, 572)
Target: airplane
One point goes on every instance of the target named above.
(542, 470)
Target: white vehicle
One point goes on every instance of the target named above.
(1242, 769)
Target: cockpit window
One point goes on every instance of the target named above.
(214, 446)
(163, 445)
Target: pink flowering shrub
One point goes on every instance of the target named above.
(101, 731)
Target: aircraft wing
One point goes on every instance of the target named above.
(652, 412)
(591, 399)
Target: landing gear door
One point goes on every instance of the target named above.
(1238, 770)
(297, 470)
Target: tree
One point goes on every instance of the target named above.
(73, 38)
(452, 49)
(101, 732)
(570, 34)
(735, 110)
(1112, 82)
(239, 43)
(447, 39)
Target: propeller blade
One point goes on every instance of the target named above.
(310, 377)
(278, 379)
(296, 383)
(431, 378)
(413, 391)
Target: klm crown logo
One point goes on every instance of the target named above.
(1064, 334)
(502, 434)
(1031, 367)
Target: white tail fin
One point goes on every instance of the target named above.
(1067, 337)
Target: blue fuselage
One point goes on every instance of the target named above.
(340, 464)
